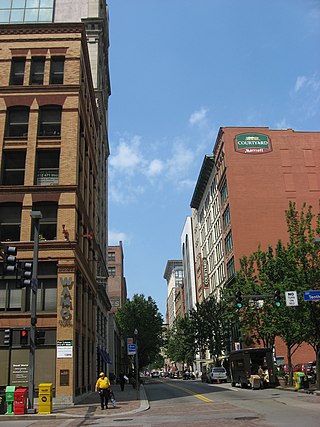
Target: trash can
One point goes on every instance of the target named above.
(299, 381)
(20, 401)
(45, 399)
(305, 382)
(10, 398)
(3, 409)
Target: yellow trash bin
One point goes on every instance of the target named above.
(45, 399)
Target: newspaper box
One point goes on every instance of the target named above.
(45, 399)
(20, 401)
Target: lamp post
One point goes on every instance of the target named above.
(36, 216)
(137, 363)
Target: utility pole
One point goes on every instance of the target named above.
(36, 216)
(137, 363)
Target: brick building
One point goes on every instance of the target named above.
(54, 89)
(241, 196)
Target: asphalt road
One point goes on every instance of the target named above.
(192, 403)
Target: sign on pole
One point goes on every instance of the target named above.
(311, 295)
(291, 298)
(131, 349)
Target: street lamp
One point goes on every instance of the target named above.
(137, 363)
(36, 216)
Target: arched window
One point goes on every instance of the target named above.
(17, 121)
(49, 120)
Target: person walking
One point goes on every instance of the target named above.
(103, 387)
(122, 380)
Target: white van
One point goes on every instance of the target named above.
(217, 374)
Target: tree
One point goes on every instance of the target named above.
(142, 315)
(180, 344)
(211, 327)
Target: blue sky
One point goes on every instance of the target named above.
(179, 70)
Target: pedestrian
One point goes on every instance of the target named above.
(103, 387)
(122, 380)
(261, 375)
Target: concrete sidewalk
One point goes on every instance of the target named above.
(128, 401)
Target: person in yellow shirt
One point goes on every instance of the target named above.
(103, 387)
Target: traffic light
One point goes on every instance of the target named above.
(10, 260)
(239, 299)
(7, 337)
(277, 298)
(40, 337)
(24, 337)
(26, 274)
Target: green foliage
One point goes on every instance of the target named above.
(291, 267)
(143, 315)
(180, 342)
(211, 327)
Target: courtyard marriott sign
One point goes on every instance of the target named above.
(252, 143)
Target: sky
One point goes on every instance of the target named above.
(181, 69)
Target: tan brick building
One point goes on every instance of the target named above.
(52, 160)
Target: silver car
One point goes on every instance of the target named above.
(217, 374)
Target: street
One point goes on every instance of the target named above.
(192, 403)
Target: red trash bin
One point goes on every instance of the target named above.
(20, 401)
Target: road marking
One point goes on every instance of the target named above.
(197, 395)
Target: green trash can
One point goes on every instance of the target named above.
(300, 377)
(10, 389)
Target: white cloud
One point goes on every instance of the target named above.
(128, 157)
(282, 124)
(300, 82)
(181, 159)
(198, 117)
(155, 167)
(114, 237)
(124, 192)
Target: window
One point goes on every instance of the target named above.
(226, 217)
(50, 120)
(112, 271)
(228, 243)
(111, 256)
(37, 70)
(19, 11)
(17, 71)
(230, 268)
(224, 192)
(48, 223)
(17, 122)
(10, 221)
(56, 70)
(47, 169)
(10, 296)
(13, 167)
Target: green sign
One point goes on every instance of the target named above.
(252, 143)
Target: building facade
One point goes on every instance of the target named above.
(117, 291)
(175, 298)
(54, 89)
(242, 194)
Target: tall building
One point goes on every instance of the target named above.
(175, 297)
(242, 193)
(117, 291)
(54, 89)
(188, 260)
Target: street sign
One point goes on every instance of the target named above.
(291, 298)
(311, 295)
(131, 349)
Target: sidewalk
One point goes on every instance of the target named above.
(127, 403)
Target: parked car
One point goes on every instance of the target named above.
(155, 374)
(217, 374)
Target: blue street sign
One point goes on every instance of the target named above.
(311, 295)
(131, 349)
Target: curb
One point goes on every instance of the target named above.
(144, 406)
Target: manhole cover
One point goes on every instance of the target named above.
(124, 419)
(246, 418)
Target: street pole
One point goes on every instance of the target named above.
(137, 364)
(36, 216)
